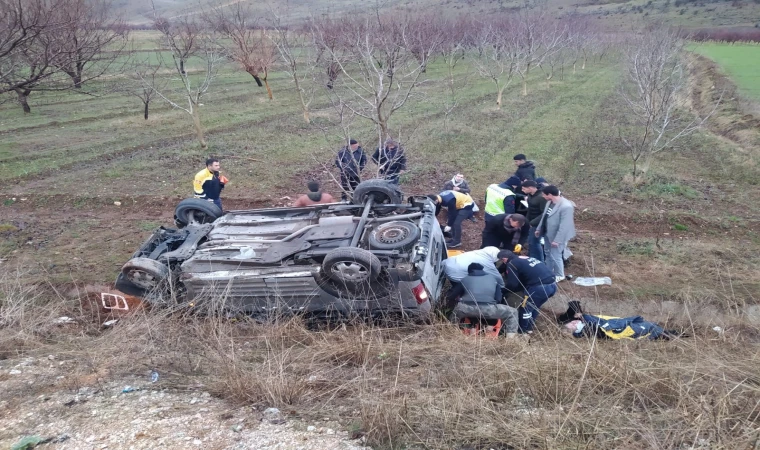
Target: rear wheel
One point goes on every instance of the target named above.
(145, 273)
(381, 190)
(195, 211)
(394, 235)
(352, 270)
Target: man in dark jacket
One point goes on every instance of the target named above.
(504, 231)
(526, 170)
(536, 207)
(350, 161)
(480, 296)
(391, 161)
(534, 279)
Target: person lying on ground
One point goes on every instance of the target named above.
(536, 282)
(457, 183)
(455, 267)
(505, 231)
(480, 297)
(314, 197)
(460, 208)
(608, 327)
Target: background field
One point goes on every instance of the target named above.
(681, 248)
(740, 61)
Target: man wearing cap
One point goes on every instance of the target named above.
(391, 161)
(526, 170)
(480, 296)
(505, 231)
(536, 206)
(534, 279)
(350, 161)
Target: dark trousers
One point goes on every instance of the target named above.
(535, 249)
(490, 239)
(218, 202)
(391, 177)
(348, 182)
(537, 296)
(455, 220)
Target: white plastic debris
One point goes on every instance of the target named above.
(117, 203)
(718, 329)
(64, 320)
(110, 323)
(593, 281)
(245, 253)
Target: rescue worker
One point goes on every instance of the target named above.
(455, 267)
(499, 200)
(208, 183)
(391, 161)
(350, 161)
(314, 197)
(460, 208)
(534, 279)
(480, 297)
(536, 206)
(505, 231)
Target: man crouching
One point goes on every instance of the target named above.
(480, 297)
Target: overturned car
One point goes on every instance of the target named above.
(375, 255)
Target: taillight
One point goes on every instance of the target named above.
(420, 293)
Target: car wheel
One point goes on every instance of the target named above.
(383, 191)
(195, 211)
(394, 235)
(145, 273)
(351, 266)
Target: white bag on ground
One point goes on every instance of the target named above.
(592, 281)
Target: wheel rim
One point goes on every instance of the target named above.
(350, 271)
(393, 235)
(142, 279)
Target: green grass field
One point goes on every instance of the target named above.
(740, 61)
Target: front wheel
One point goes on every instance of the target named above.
(195, 211)
(145, 273)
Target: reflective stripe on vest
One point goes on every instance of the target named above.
(495, 196)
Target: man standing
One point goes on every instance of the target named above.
(526, 170)
(505, 231)
(559, 227)
(534, 279)
(350, 161)
(459, 207)
(391, 161)
(314, 197)
(536, 206)
(208, 184)
(480, 296)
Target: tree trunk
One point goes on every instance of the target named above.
(498, 98)
(198, 129)
(304, 107)
(145, 112)
(269, 90)
(77, 81)
(23, 95)
(525, 86)
(574, 64)
(182, 66)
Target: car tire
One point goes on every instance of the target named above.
(145, 273)
(384, 192)
(394, 235)
(195, 211)
(351, 266)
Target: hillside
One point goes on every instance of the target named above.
(611, 13)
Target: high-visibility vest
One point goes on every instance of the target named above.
(495, 196)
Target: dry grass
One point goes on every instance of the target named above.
(425, 386)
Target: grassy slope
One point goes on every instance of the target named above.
(740, 61)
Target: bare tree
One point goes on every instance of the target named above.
(189, 87)
(146, 79)
(497, 59)
(181, 37)
(246, 43)
(28, 51)
(90, 38)
(300, 57)
(452, 51)
(654, 92)
(378, 71)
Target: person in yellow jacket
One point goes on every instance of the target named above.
(208, 183)
(460, 208)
